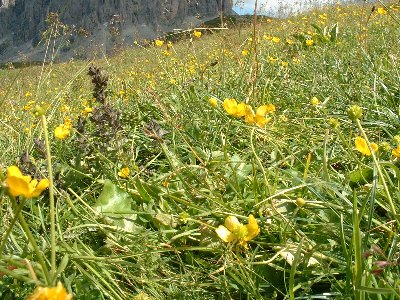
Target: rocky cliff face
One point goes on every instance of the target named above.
(103, 21)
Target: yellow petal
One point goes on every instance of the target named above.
(252, 228)
(43, 184)
(224, 234)
(232, 223)
(18, 186)
(14, 171)
(261, 110)
(241, 110)
(361, 146)
(374, 147)
(230, 106)
(262, 121)
(249, 116)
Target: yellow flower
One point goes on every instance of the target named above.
(261, 121)
(272, 59)
(309, 42)
(19, 184)
(315, 101)
(362, 146)
(167, 53)
(68, 122)
(62, 132)
(396, 152)
(230, 106)
(290, 41)
(159, 43)
(51, 293)
(265, 109)
(213, 102)
(197, 34)
(124, 172)
(276, 40)
(267, 37)
(241, 110)
(245, 52)
(249, 115)
(234, 231)
(381, 11)
(87, 110)
(65, 108)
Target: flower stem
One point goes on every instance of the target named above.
(52, 209)
(378, 167)
(32, 240)
(10, 227)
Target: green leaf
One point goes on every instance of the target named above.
(360, 177)
(318, 29)
(113, 201)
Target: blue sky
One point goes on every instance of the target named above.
(247, 7)
(279, 7)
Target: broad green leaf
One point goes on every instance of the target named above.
(360, 177)
(113, 201)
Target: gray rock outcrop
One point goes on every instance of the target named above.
(104, 22)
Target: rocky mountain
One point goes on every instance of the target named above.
(86, 26)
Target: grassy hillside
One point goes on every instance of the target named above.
(255, 162)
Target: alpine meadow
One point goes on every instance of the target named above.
(254, 158)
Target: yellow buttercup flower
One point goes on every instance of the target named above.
(275, 39)
(245, 52)
(20, 185)
(290, 41)
(159, 43)
(87, 110)
(241, 110)
(249, 115)
(62, 132)
(381, 11)
(396, 152)
(315, 101)
(261, 121)
(124, 172)
(68, 122)
(197, 34)
(362, 146)
(265, 109)
(213, 102)
(51, 293)
(230, 106)
(234, 231)
(309, 42)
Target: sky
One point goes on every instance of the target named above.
(278, 8)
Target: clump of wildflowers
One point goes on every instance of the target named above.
(238, 110)
(234, 231)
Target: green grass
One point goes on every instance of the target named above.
(152, 235)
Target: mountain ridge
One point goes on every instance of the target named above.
(95, 24)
